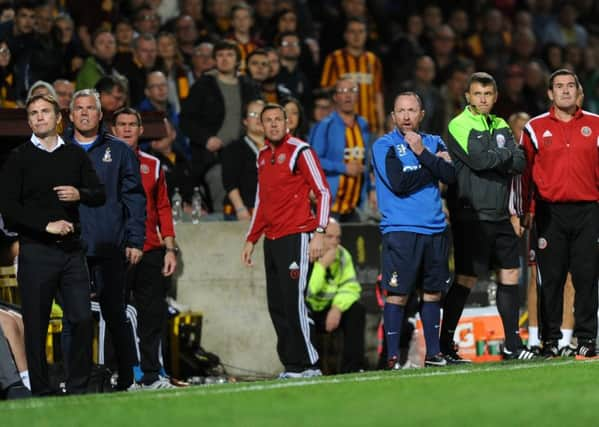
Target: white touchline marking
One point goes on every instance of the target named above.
(44, 403)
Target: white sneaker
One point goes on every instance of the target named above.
(288, 375)
(309, 373)
(134, 387)
(160, 384)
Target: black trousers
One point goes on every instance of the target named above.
(149, 288)
(353, 323)
(43, 271)
(567, 241)
(286, 261)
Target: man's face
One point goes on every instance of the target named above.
(147, 21)
(146, 53)
(332, 236)
(457, 84)
(43, 20)
(290, 48)
(127, 128)
(259, 67)
(113, 100)
(322, 108)
(275, 125)
(275, 64)
(105, 47)
(425, 70)
(202, 59)
(185, 30)
(481, 97)
(124, 33)
(346, 96)
(242, 21)
(157, 88)
(42, 118)
(252, 120)
(167, 47)
(226, 61)
(287, 22)
(24, 21)
(85, 115)
(66, 30)
(564, 92)
(355, 35)
(64, 92)
(407, 113)
(192, 8)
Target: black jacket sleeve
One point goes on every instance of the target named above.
(91, 192)
(439, 168)
(405, 182)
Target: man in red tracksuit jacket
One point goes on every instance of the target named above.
(561, 188)
(150, 279)
(288, 170)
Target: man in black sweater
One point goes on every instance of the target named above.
(42, 184)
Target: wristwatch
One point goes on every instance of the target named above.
(319, 230)
(174, 250)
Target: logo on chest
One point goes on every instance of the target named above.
(281, 158)
(500, 140)
(107, 156)
(144, 169)
(401, 150)
(547, 138)
(586, 131)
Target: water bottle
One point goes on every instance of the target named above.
(177, 206)
(196, 205)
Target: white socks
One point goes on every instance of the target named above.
(533, 336)
(566, 338)
(25, 378)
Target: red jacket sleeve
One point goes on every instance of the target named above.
(309, 166)
(257, 223)
(163, 206)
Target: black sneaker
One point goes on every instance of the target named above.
(550, 350)
(587, 349)
(435, 361)
(537, 350)
(393, 364)
(520, 354)
(453, 358)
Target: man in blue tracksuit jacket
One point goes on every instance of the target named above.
(408, 166)
(342, 142)
(115, 232)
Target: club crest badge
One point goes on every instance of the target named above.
(107, 156)
(281, 158)
(394, 282)
(585, 131)
(401, 149)
(542, 243)
(500, 140)
(144, 169)
(294, 270)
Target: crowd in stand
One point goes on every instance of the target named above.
(160, 53)
(212, 65)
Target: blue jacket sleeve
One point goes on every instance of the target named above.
(134, 199)
(319, 142)
(405, 182)
(439, 168)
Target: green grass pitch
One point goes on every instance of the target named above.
(555, 393)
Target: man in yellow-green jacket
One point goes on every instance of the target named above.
(333, 297)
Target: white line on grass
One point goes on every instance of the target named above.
(44, 403)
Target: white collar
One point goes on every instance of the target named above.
(38, 143)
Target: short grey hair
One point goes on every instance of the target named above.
(41, 83)
(86, 92)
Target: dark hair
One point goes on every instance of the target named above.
(322, 93)
(46, 97)
(273, 106)
(242, 6)
(301, 124)
(409, 93)
(226, 45)
(25, 4)
(355, 19)
(259, 51)
(483, 78)
(107, 83)
(100, 31)
(246, 106)
(128, 111)
(563, 72)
